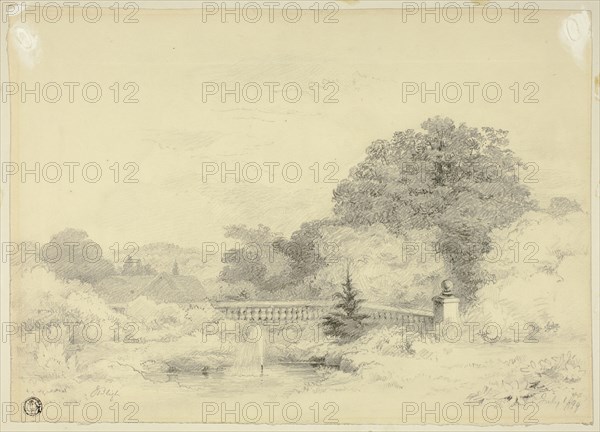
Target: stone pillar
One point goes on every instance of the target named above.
(445, 305)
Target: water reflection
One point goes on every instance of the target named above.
(276, 379)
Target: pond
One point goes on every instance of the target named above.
(275, 380)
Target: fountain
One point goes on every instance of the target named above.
(251, 352)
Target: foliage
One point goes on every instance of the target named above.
(78, 258)
(346, 321)
(459, 180)
(541, 278)
(271, 262)
(561, 206)
(555, 380)
(304, 250)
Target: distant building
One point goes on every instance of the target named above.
(160, 288)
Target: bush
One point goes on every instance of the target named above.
(346, 321)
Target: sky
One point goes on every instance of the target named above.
(178, 133)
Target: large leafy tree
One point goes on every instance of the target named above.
(305, 250)
(255, 258)
(270, 261)
(78, 257)
(461, 181)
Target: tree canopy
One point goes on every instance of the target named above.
(78, 257)
(271, 261)
(461, 181)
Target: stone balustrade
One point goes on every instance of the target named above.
(445, 308)
(285, 312)
(272, 311)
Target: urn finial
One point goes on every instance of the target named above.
(447, 286)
